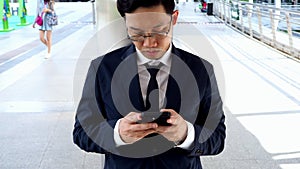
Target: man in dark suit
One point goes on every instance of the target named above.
(148, 77)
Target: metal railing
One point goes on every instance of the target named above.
(278, 27)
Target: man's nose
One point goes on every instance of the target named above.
(149, 41)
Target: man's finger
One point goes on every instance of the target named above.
(143, 126)
(133, 117)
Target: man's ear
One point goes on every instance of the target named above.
(175, 17)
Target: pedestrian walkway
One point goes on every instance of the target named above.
(38, 97)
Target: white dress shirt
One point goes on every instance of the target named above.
(162, 80)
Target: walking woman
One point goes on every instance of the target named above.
(45, 8)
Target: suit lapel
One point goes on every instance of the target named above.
(173, 96)
(135, 93)
(173, 93)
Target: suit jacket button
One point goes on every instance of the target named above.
(198, 151)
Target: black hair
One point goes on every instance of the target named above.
(128, 6)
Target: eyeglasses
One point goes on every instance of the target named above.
(156, 35)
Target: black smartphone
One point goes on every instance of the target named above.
(156, 117)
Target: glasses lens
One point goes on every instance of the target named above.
(160, 35)
(138, 38)
(157, 36)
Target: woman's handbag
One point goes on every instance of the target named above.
(52, 19)
(39, 20)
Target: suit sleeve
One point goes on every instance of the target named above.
(209, 125)
(92, 132)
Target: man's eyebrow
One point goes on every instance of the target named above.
(138, 29)
(134, 28)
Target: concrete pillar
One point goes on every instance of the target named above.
(31, 7)
(106, 12)
(111, 30)
(277, 13)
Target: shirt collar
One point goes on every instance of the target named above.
(165, 59)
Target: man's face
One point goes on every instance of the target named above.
(150, 29)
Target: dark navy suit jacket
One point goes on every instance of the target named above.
(112, 90)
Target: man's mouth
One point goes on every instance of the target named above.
(152, 52)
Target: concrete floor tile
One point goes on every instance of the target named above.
(62, 159)
(93, 161)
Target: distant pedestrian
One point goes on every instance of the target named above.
(45, 8)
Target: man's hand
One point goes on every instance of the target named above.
(131, 132)
(177, 132)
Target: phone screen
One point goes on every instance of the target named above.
(156, 117)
